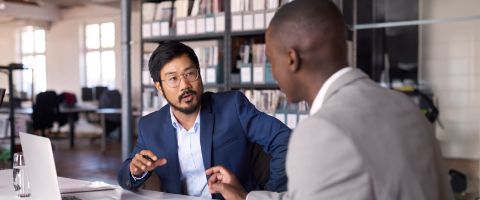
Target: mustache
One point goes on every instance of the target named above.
(186, 92)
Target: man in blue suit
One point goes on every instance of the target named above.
(199, 130)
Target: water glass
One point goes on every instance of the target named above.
(20, 178)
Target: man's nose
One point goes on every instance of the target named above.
(184, 83)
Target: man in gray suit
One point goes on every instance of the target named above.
(361, 141)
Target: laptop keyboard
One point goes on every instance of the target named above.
(70, 198)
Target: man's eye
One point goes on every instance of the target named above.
(172, 78)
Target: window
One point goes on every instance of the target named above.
(100, 55)
(32, 55)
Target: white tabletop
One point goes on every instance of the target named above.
(7, 192)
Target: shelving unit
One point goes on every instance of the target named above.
(228, 43)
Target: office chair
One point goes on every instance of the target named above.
(45, 111)
(87, 94)
(67, 100)
(111, 99)
(260, 163)
(99, 90)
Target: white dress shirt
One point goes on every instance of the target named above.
(318, 101)
(193, 178)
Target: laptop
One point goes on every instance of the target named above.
(41, 170)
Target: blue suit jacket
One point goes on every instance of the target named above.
(230, 124)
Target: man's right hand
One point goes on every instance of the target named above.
(140, 164)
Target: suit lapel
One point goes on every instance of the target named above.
(207, 120)
(168, 137)
(343, 80)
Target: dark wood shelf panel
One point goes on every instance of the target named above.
(195, 37)
(265, 86)
(248, 33)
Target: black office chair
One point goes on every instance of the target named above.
(67, 100)
(87, 94)
(260, 162)
(99, 90)
(111, 99)
(45, 111)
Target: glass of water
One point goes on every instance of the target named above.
(20, 178)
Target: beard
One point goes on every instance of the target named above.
(191, 108)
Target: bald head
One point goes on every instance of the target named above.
(314, 28)
(306, 44)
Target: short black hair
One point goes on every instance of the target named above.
(166, 52)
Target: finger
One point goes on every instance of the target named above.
(216, 188)
(141, 159)
(156, 164)
(133, 168)
(149, 154)
(216, 169)
(138, 165)
(214, 178)
(161, 162)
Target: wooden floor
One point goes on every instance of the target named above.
(86, 162)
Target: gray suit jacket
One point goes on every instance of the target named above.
(365, 143)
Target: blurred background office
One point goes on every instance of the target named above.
(61, 61)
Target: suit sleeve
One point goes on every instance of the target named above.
(125, 179)
(271, 134)
(323, 165)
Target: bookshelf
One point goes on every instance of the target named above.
(228, 38)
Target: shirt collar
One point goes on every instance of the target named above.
(179, 127)
(318, 101)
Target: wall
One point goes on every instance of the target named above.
(7, 50)
(64, 48)
(450, 64)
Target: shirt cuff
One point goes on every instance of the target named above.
(136, 178)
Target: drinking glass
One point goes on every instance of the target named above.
(20, 178)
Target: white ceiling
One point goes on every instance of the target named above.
(72, 3)
(47, 10)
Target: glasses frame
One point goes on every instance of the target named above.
(184, 78)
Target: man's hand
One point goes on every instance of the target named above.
(145, 161)
(224, 182)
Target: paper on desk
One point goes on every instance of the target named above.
(74, 186)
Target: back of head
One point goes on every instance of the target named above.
(314, 28)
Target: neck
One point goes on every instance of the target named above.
(186, 120)
(312, 89)
(314, 83)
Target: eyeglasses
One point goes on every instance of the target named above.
(190, 75)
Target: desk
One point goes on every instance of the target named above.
(23, 111)
(71, 112)
(103, 112)
(6, 190)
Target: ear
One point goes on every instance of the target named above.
(158, 86)
(293, 60)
